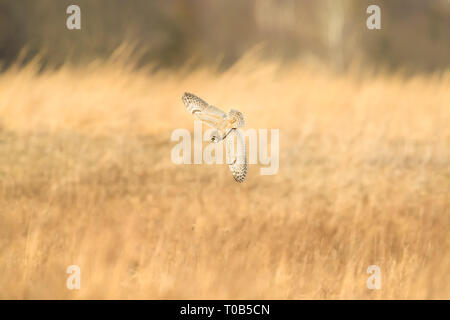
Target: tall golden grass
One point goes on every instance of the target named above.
(86, 178)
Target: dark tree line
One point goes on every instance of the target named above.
(414, 35)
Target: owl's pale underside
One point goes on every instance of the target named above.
(225, 126)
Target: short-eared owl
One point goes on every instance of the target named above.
(225, 126)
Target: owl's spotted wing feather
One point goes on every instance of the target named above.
(194, 103)
(237, 158)
(203, 111)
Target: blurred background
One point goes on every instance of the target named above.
(414, 35)
(86, 176)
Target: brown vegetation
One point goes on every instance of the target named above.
(86, 178)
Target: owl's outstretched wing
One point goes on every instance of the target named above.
(237, 158)
(198, 107)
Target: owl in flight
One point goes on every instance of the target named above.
(225, 126)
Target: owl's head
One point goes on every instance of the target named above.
(237, 118)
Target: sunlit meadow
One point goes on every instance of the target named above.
(86, 179)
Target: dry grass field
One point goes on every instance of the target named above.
(86, 178)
